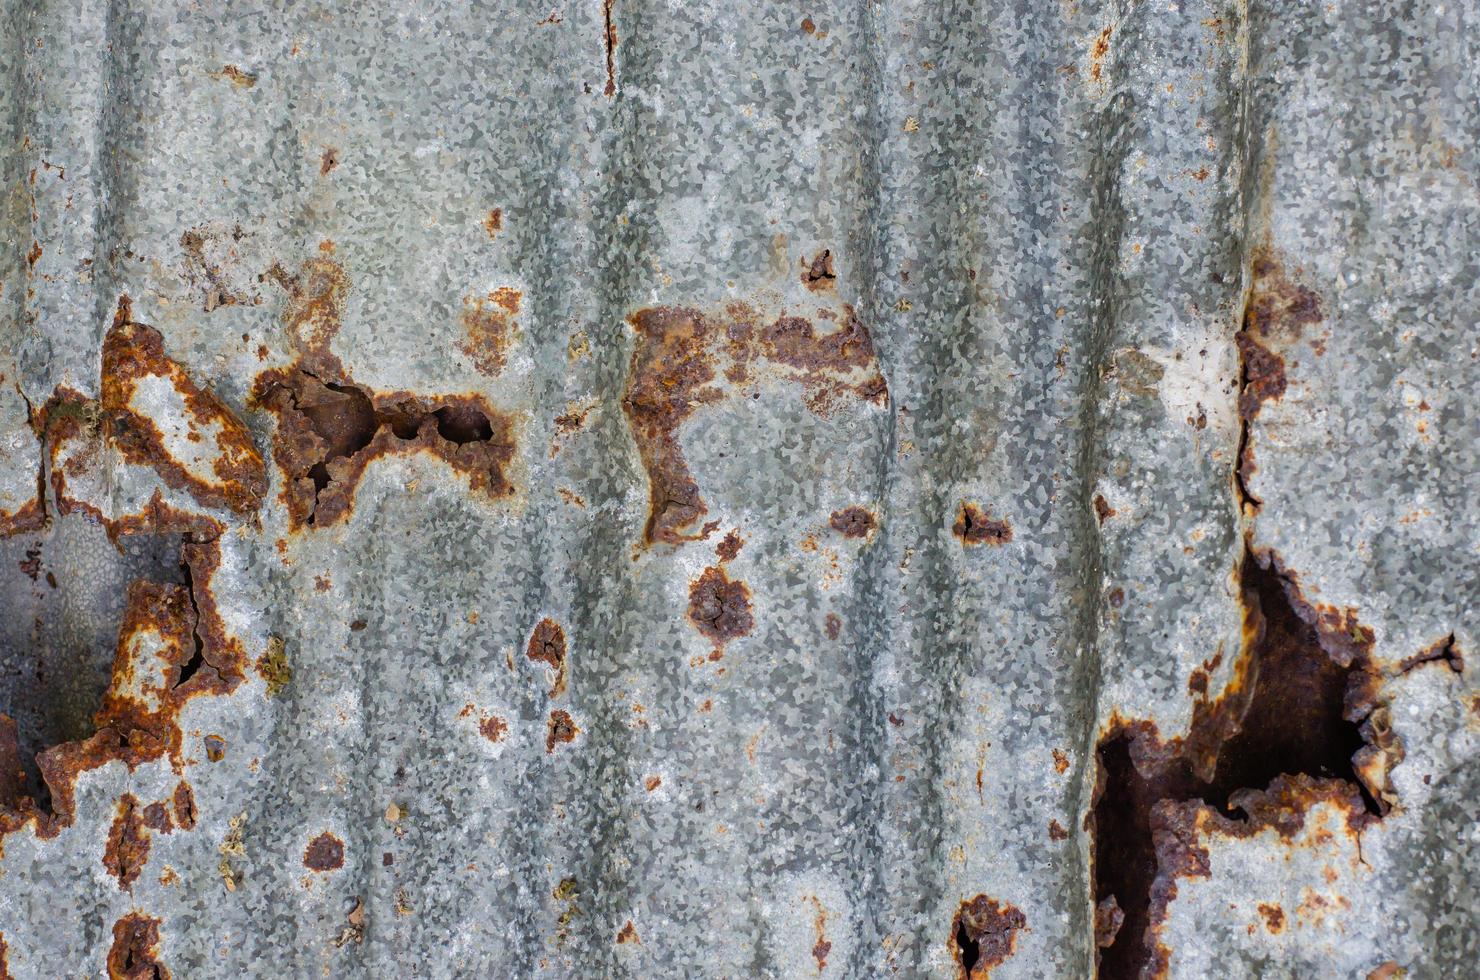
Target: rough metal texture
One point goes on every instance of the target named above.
(556, 298)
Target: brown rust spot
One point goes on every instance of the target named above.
(1295, 727)
(273, 666)
(652, 783)
(330, 429)
(719, 607)
(1056, 831)
(976, 526)
(1274, 917)
(134, 954)
(561, 728)
(324, 853)
(1108, 920)
(823, 945)
(628, 934)
(136, 368)
(1103, 510)
(494, 223)
(236, 76)
(489, 328)
(1060, 761)
(729, 546)
(157, 818)
(328, 161)
(493, 728)
(984, 935)
(184, 802)
(547, 645)
(677, 364)
(610, 36)
(1098, 51)
(852, 522)
(128, 843)
(817, 272)
(832, 625)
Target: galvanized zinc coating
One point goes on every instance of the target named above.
(647, 489)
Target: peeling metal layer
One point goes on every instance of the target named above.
(654, 489)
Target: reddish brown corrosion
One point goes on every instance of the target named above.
(489, 327)
(172, 646)
(1277, 312)
(330, 429)
(493, 728)
(561, 728)
(134, 352)
(984, 935)
(1296, 726)
(975, 526)
(4, 959)
(12, 769)
(832, 625)
(128, 843)
(729, 547)
(494, 223)
(324, 853)
(628, 934)
(720, 607)
(547, 645)
(135, 951)
(184, 800)
(1103, 510)
(677, 364)
(817, 273)
(852, 522)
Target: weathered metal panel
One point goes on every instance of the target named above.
(638, 489)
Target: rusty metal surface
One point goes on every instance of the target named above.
(648, 489)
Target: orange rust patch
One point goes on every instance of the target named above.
(719, 607)
(1060, 761)
(184, 801)
(330, 430)
(547, 645)
(817, 272)
(1274, 917)
(729, 546)
(676, 369)
(975, 526)
(822, 946)
(134, 954)
(1103, 510)
(133, 354)
(628, 934)
(489, 327)
(128, 843)
(328, 161)
(237, 77)
(324, 853)
(493, 728)
(1098, 51)
(852, 522)
(983, 935)
(652, 783)
(561, 728)
(494, 223)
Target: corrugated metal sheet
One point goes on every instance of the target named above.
(647, 489)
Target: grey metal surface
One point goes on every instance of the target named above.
(1047, 217)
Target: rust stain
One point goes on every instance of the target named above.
(1056, 831)
(1103, 510)
(127, 850)
(493, 728)
(729, 546)
(328, 161)
(610, 37)
(853, 522)
(561, 728)
(209, 253)
(330, 429)
(676, 368)
(134, 954)
(822, 946)
(494, 223)
(134, 362)
(1098, 52)
(1297, 726)
(983, 936)
(489, 328)
(1274, 917)
(184, 801)
(547, 645)
(719, 607)
(817, 272)
(324, 853)
(236, 76)
(628, 934)
(976, 526)
(832, 625)
(652, 783)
